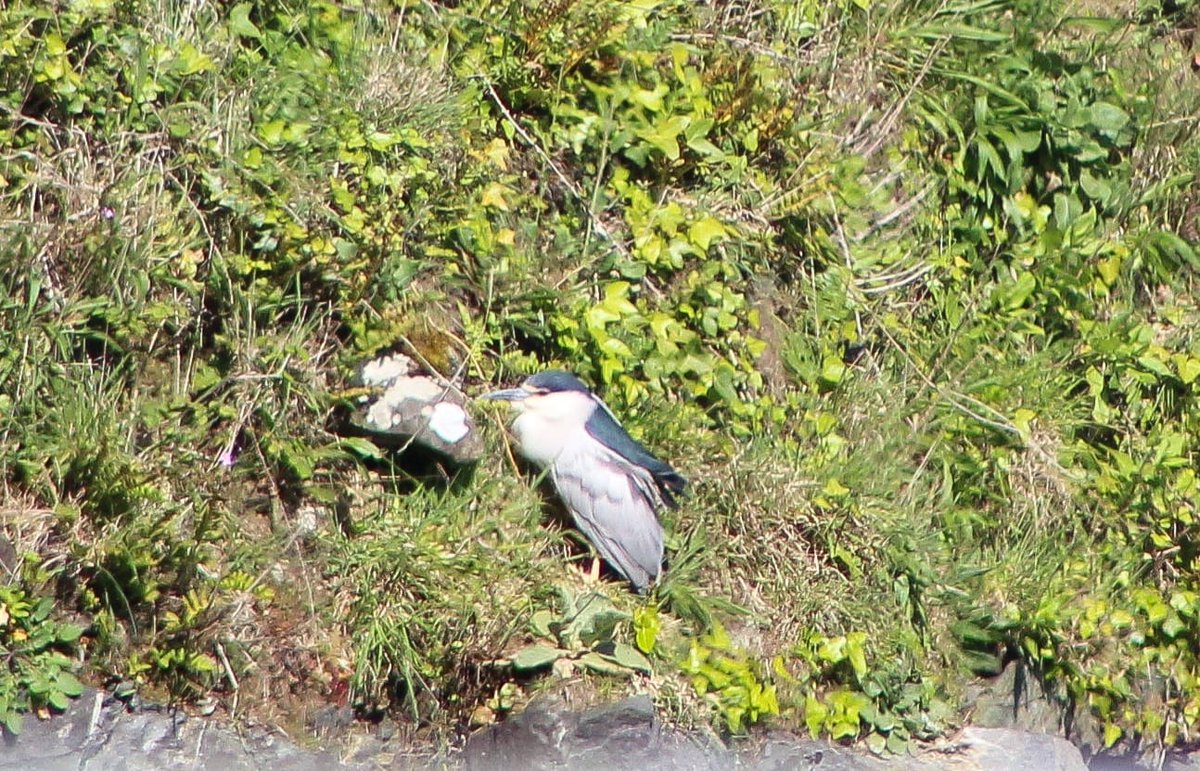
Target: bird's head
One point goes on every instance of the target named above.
(550, 392)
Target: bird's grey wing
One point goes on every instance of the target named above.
(604, 427)
(606, 497)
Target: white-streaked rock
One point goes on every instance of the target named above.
(415, 409)
(449, 421)
(384, 371)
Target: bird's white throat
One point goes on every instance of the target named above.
(549, 422)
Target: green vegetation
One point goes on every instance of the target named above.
(907, 289)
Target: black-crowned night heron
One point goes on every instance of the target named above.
(613, 487)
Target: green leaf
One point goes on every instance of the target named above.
(855, 653)
(646, 624)
(629, 657)
(1172, 627)
(602, 665)
(1189, 369)
(897, 744)
(706, 230)
(1097, 188)
(536, 657)
(14, 722)
(1020, 291)
(69, 633)
(815, 714)
(833, 369)
(1108, 117)
(1067, 209)
(363, 448)
(240, 24)
(541, 622)
(69, 684)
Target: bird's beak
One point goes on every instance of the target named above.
(507, 395)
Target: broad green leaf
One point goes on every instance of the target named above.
(542, 623)
(1173, 627)
(1067, 209)
(69, 633)
(856, 654)
(815, 715)
(1189, 368)
(240, 24)
(271, 132)
(897, 744)
(1097, 188)
(629, 657)
(1109, 269)
(1108, 117)
(833, 369)
(1020, 291)
(602, 665)
(706, 230)
(646, 624)
(536, 657)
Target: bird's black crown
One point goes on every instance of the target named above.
(557, 380)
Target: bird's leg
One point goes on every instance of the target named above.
(595, 572)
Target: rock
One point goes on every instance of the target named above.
(1016, 699)
(97, 732)
(1147, 759)
(415, 409)
(1001, 749)
(332, 720)
(786, 752)
(627, 734)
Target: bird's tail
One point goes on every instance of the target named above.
(670, 483)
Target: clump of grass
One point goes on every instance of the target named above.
(432, 589)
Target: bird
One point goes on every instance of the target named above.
(613, 487)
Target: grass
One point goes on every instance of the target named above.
(904, 289)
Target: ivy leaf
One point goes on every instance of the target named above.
(1189, 369)
(704, 231)
(646, 624)
(240, 24)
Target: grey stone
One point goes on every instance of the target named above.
(786, 752)
(1015, 699)
(99, 733)
(1001, 749)
(627, 734)
(414, 409)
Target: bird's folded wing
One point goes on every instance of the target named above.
(614, 504)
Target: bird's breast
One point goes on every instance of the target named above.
(541, 440)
